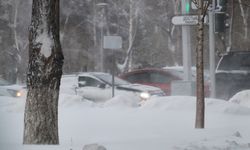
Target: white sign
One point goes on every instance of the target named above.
(112, 42)
(185, 20)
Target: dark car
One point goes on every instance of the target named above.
(232, 74)
(157, 77)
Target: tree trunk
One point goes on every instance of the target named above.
(127, 65)
(44, 74)
(17, 48)
(200, 104)
(131, 39)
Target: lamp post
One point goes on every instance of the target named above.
(101, 64)
(212, 49)
(186, 47)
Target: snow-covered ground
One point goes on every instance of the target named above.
(165, 123)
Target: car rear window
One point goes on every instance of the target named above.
(235, 61)
(150, 77)
(160, 78)
(139, 77)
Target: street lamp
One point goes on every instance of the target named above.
(102, 5)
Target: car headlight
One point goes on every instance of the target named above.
(18, 94)
(144, 95)
(14, 93)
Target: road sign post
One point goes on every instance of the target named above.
(212, 50)
(113, 43)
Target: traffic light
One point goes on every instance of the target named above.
(219, 23)
(220, 16)
(187, 6)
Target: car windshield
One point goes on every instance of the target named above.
(108, 79)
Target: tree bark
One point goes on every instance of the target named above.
(44, 74)
(200, 104)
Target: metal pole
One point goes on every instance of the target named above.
(212, 50)
(113, 73)
(101, 65)
(101, 46)
(186, 47)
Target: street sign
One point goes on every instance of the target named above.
(112, 42)
(185, 20)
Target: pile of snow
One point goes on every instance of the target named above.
(12, 104)
(242, 98)
(68, 84)
(123, 124)
(123, 101)
(188, 103)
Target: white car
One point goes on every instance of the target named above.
(97, 87)
(11, 90)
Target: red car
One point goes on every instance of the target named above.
(161, 78)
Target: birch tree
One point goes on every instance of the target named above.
(44, 74)
(7, 50)
(133, 8)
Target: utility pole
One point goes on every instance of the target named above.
(102, 5)
(101, 48)
(186, 47)
(185, 20)
(212, 49)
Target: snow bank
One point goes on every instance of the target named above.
(184, 103)
(235, 106)
(12, 104)
(123, 101)
(68, 84)
(162, 123)
(242, 98)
